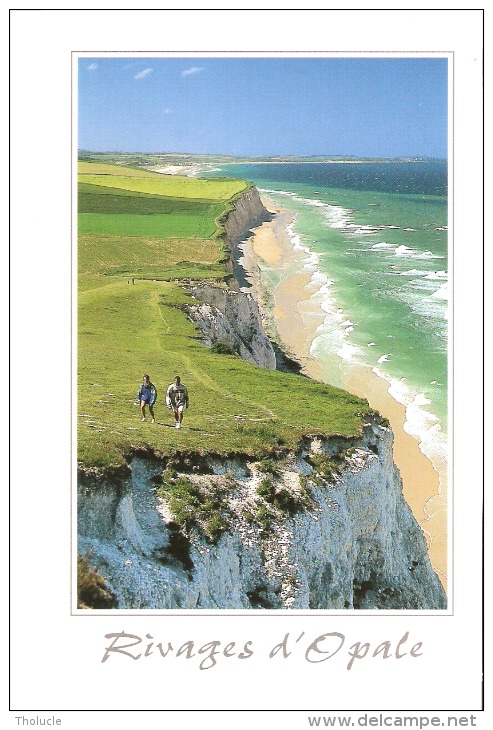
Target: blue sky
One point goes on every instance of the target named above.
(373, 107)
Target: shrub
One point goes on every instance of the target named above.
(215, 526)
(325, 466)
(220, 348)
(286, 502)
(192, 505)
(267, 466)
(184, 500)
(305, 493)
(266, 489)
(282, 499)
(92, 591)
(264, 516)
(248, 516)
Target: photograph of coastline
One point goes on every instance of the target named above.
(284, 250)
(283, 208)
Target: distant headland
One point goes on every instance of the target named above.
(146, 159)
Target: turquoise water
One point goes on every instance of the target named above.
(374, 237)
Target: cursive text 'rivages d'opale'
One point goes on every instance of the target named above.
(315, 651)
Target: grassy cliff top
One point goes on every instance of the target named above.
(139, 238)
(135, 180)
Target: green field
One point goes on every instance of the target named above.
(137, 256)
(101, 168)
(147, 204)
(102, 199)
(156, 226)
(215, 189)
(126, 329)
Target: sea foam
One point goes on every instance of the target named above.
(423, 291)
(403, 251)
(437, 275)
(441, 293)
(414, 272)
(420, 422)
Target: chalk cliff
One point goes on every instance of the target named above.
(325, 527)
(232, 318)
(247, 212)
(338, 539)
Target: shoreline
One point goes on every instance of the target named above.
(193, 168)
(294, 318)
(185, 170)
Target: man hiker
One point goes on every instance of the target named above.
(177, 399)
(147, 394)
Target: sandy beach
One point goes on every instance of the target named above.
(295, 319)
(187, 170)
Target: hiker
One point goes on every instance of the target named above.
(147, 394)
(177, 399)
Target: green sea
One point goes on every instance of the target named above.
(374, 237)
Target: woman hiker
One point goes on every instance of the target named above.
(147, 395)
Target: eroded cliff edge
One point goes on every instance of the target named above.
(246, 213)
(233, 319)
(325, 527)
(340, 539)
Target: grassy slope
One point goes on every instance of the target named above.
(126, 329)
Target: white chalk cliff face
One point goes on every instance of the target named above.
(353, 544)
(303, 535)
(232, 318)
(248, 212)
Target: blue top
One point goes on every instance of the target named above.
(148, 393)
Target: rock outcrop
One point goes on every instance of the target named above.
(232, 318)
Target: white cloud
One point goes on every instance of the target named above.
(143, 74)
(192, 71)
(92, 67)
(167, 111)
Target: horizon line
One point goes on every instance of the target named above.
(269, 156)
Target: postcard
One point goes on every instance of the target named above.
(246, 264)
